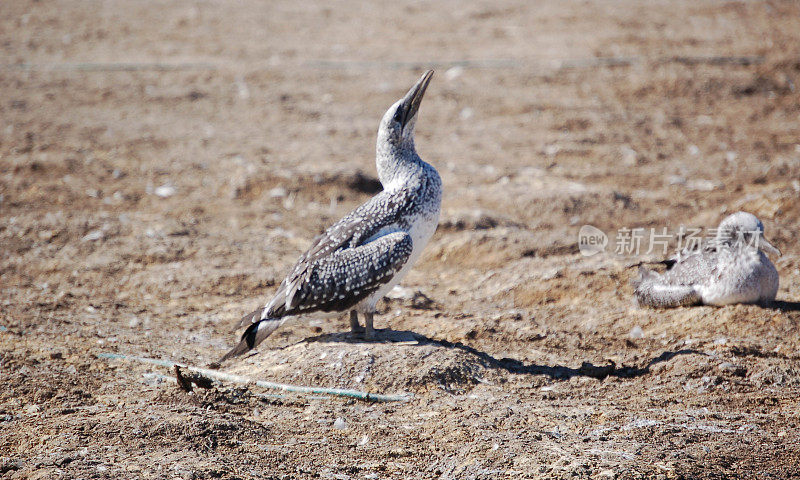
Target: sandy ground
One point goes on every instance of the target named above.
(162, 164)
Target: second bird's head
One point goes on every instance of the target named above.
(397, 125)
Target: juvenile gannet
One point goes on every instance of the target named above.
(355, 262)
(732, 268)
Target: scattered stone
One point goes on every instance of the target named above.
(164, 191)
(278, 192)
(701, 185)
(400, 293)
(636, 332)
(32, 409)
(629, 155)
(676, 180)
(93, 236)
(340, 424)
(454, 72)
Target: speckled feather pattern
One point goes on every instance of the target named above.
(358, 254)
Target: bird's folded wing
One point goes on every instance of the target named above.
(340, 280)
(692, 270)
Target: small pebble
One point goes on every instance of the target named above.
(636, 332)
(340, 424)
(92, 236)
(164, 191)
(278, 192)
(454, 72)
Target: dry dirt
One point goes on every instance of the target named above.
(163, 163)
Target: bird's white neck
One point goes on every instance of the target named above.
(397, 164)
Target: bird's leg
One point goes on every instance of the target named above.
(369, 331)
(354, 326)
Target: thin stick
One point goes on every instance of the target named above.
(339, 392)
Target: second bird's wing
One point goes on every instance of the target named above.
(693, 269)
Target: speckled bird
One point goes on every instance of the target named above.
(355, 262)
(732, 268)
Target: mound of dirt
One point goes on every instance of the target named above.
(399, 361)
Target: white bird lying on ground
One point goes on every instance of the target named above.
(731, 269)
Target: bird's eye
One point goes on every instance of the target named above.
(398, 115)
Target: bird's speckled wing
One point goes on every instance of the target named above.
(342, 279)
(693, 269)
(333, 282)
(342, 246)
(677, 286)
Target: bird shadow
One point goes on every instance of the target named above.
(511, 365)
(785, 306)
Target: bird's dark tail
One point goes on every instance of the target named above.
(255, 334)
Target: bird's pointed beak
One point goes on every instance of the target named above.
(764, 244)
(413, 98)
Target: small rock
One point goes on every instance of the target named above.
(340, 424)
(629, 155)
(454, 72)
(702, 185)
(676, 180)
(278, 192)
(242, 91)
(164, 191)
(636, 332)
(400, 293)
(93, 235)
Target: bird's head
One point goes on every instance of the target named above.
(396, 130)
(744, 229)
